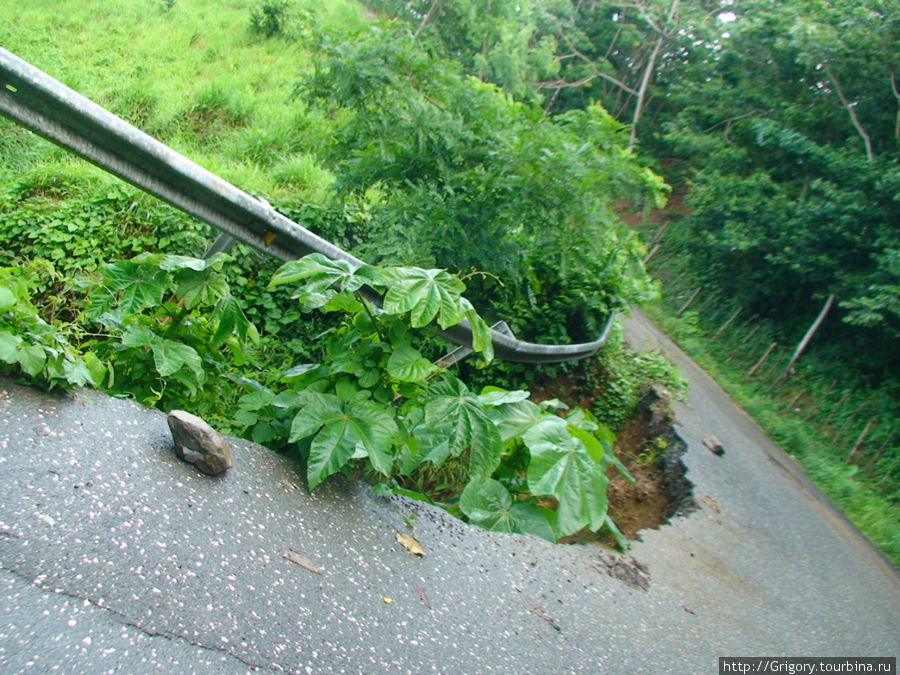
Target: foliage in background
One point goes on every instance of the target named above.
(780, 120)
(786, 129)
(781, 127)
(511, 44)
(439, 168)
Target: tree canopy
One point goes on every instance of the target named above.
(780, 120)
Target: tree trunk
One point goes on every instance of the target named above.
(429, 17)
(645, 79)
(809, 335)
(850, 111)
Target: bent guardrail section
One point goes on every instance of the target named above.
(47, 107)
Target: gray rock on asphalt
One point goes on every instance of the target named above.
(198, 443)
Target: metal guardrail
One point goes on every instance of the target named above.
(49, 108)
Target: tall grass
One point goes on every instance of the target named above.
(192, 73)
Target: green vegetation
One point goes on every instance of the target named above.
(372, 147)
(500, 141)
(35, 347)
(374, 396)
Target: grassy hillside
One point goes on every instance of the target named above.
(193, 74)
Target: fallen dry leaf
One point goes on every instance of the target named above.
(410, 543)
(301, 560)
(537, 610)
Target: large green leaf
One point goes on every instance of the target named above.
(318, 274)
(454, 411)
(7, 299)
(427, 295)
(169, 356)
(256, 400)
(419, 443)
(232, 320)
(514, 418)
(432, 445)
(595, 448)
(407, 364)
(341, 429)
(584, 419)
(200, 287)
(180, 262)
(481, 333)
(97, 369)
(8, 345)
(488, 503)
(496, 396)
(31, 358)
(600, 447)
(132, 286)
(139, 336)
(77, 372)
(561, 466)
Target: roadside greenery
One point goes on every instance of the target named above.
(170, 324)
(37, 348)
(497, 140)
(434, 167)
(374, 396)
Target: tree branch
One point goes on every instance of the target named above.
(896, 96)
(648, 73)
(429, 16)
(559, 84)
(849, 108)
(733, 119)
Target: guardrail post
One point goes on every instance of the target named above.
(727, 323)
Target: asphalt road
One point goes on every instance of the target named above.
(115, 556)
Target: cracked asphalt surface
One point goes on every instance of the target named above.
(115, 556)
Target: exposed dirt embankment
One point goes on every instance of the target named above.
(651, 451)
